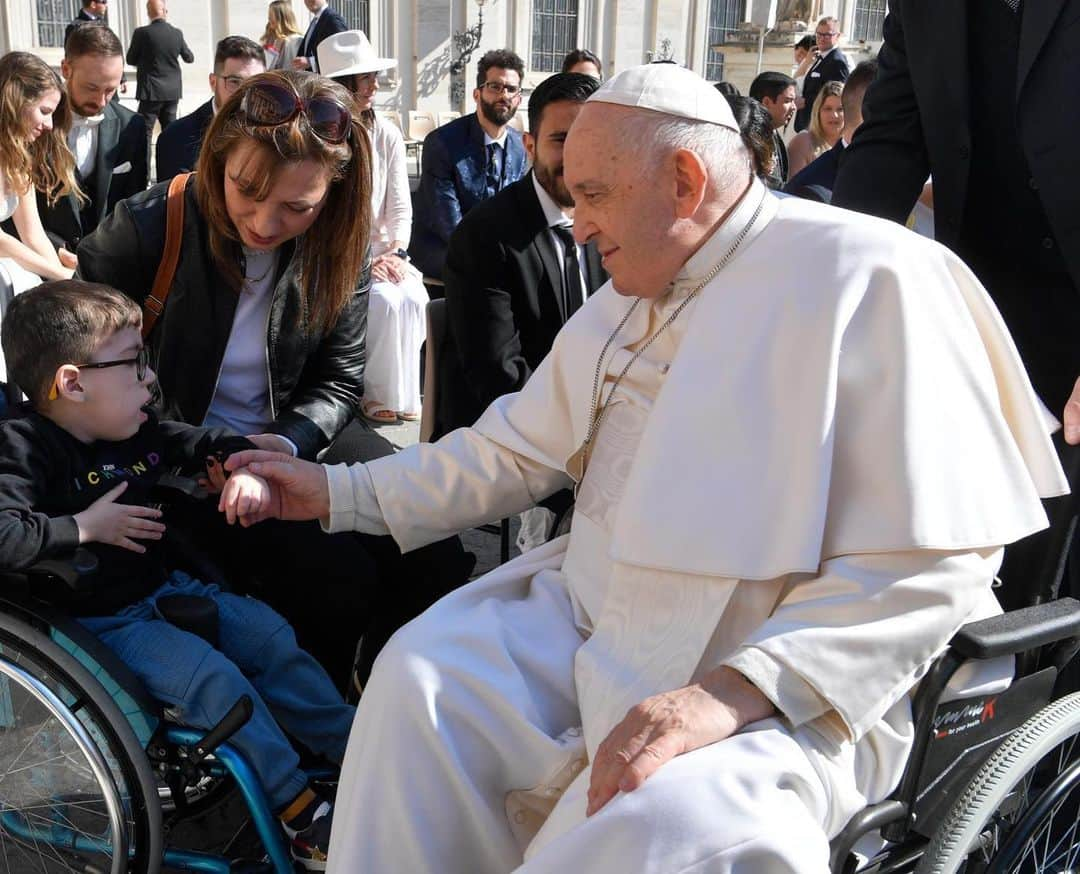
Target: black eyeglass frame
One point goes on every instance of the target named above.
(141, 362)
(300, 106)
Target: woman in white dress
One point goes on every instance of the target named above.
(396, 320)
(34, 118)
(282, 37)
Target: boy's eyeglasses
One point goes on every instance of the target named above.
(141, 362)
(269, 104)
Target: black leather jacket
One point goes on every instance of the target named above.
(316, 380)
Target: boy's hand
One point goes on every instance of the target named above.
(244, 498)
(105, 521)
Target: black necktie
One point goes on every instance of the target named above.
(573, 291)
(493, 173)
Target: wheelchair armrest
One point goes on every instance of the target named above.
(1019, 630)
(74, 572)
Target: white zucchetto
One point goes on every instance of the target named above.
(669, 89)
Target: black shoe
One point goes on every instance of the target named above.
(309, 847)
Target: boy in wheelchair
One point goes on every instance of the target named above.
(77, 468)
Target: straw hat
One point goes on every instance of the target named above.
(350, 53)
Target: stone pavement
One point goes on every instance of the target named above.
(483, 545)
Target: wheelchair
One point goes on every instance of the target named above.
(95, 776)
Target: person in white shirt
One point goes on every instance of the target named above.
(34, 117)
(396, 317)
(771, 480)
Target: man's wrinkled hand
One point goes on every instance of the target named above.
(668, 725)
(298, 489)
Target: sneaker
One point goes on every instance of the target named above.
(309, 847)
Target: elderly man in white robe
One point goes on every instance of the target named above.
(793, 487)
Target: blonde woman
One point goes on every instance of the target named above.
(282, 37)
(826, 125)
(34, 119)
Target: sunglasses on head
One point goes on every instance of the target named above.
(268, 104)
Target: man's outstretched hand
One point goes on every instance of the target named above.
(298, 489)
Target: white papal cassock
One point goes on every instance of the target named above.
(807, 477)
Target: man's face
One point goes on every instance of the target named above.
(545, 148)
(622, 203)
(233, 72)
(314, 6)
(827, 35)
(98, 8)
(499, 96)
(92, 80)
(783, 108)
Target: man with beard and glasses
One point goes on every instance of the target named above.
(468, 160)
(108, 140)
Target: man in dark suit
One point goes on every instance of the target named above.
(92, 12)
(982, 102)
(816, 180)
(235, 59)
(107, 140)
(831, 65)
(777, 92)
(468, 160)
(155, 51)
(324, 22)
(514, 274)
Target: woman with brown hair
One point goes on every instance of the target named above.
(263, 329)
(826, 125)
(34, 119)
(282, 37)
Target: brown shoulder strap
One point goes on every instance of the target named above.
(154, 305)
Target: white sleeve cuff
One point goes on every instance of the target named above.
(353, 506)
(796, 699)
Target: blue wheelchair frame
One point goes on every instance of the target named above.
(150, 730)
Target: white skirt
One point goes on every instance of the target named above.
(396, 331)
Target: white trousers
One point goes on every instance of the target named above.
(466, 756)
(396, 330)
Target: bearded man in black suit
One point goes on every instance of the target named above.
(514, 274)
(108, 140)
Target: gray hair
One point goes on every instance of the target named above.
(652, 138)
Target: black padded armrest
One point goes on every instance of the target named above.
(1019, 630)
(74, 572)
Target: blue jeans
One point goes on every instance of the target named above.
(258, 656)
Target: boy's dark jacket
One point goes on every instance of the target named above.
(47, 476)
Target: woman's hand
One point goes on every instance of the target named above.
(271, 443)
(388, 268)
(298, 489)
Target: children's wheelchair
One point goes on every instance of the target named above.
(94, 774)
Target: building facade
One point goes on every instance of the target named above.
(427, 36)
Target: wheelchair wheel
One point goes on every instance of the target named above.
(76, 789)
(1019, 813)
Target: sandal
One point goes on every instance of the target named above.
(375, 412)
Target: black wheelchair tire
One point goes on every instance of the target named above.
(34, 652)
(998, 805)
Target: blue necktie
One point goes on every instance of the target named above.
(493, 172)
